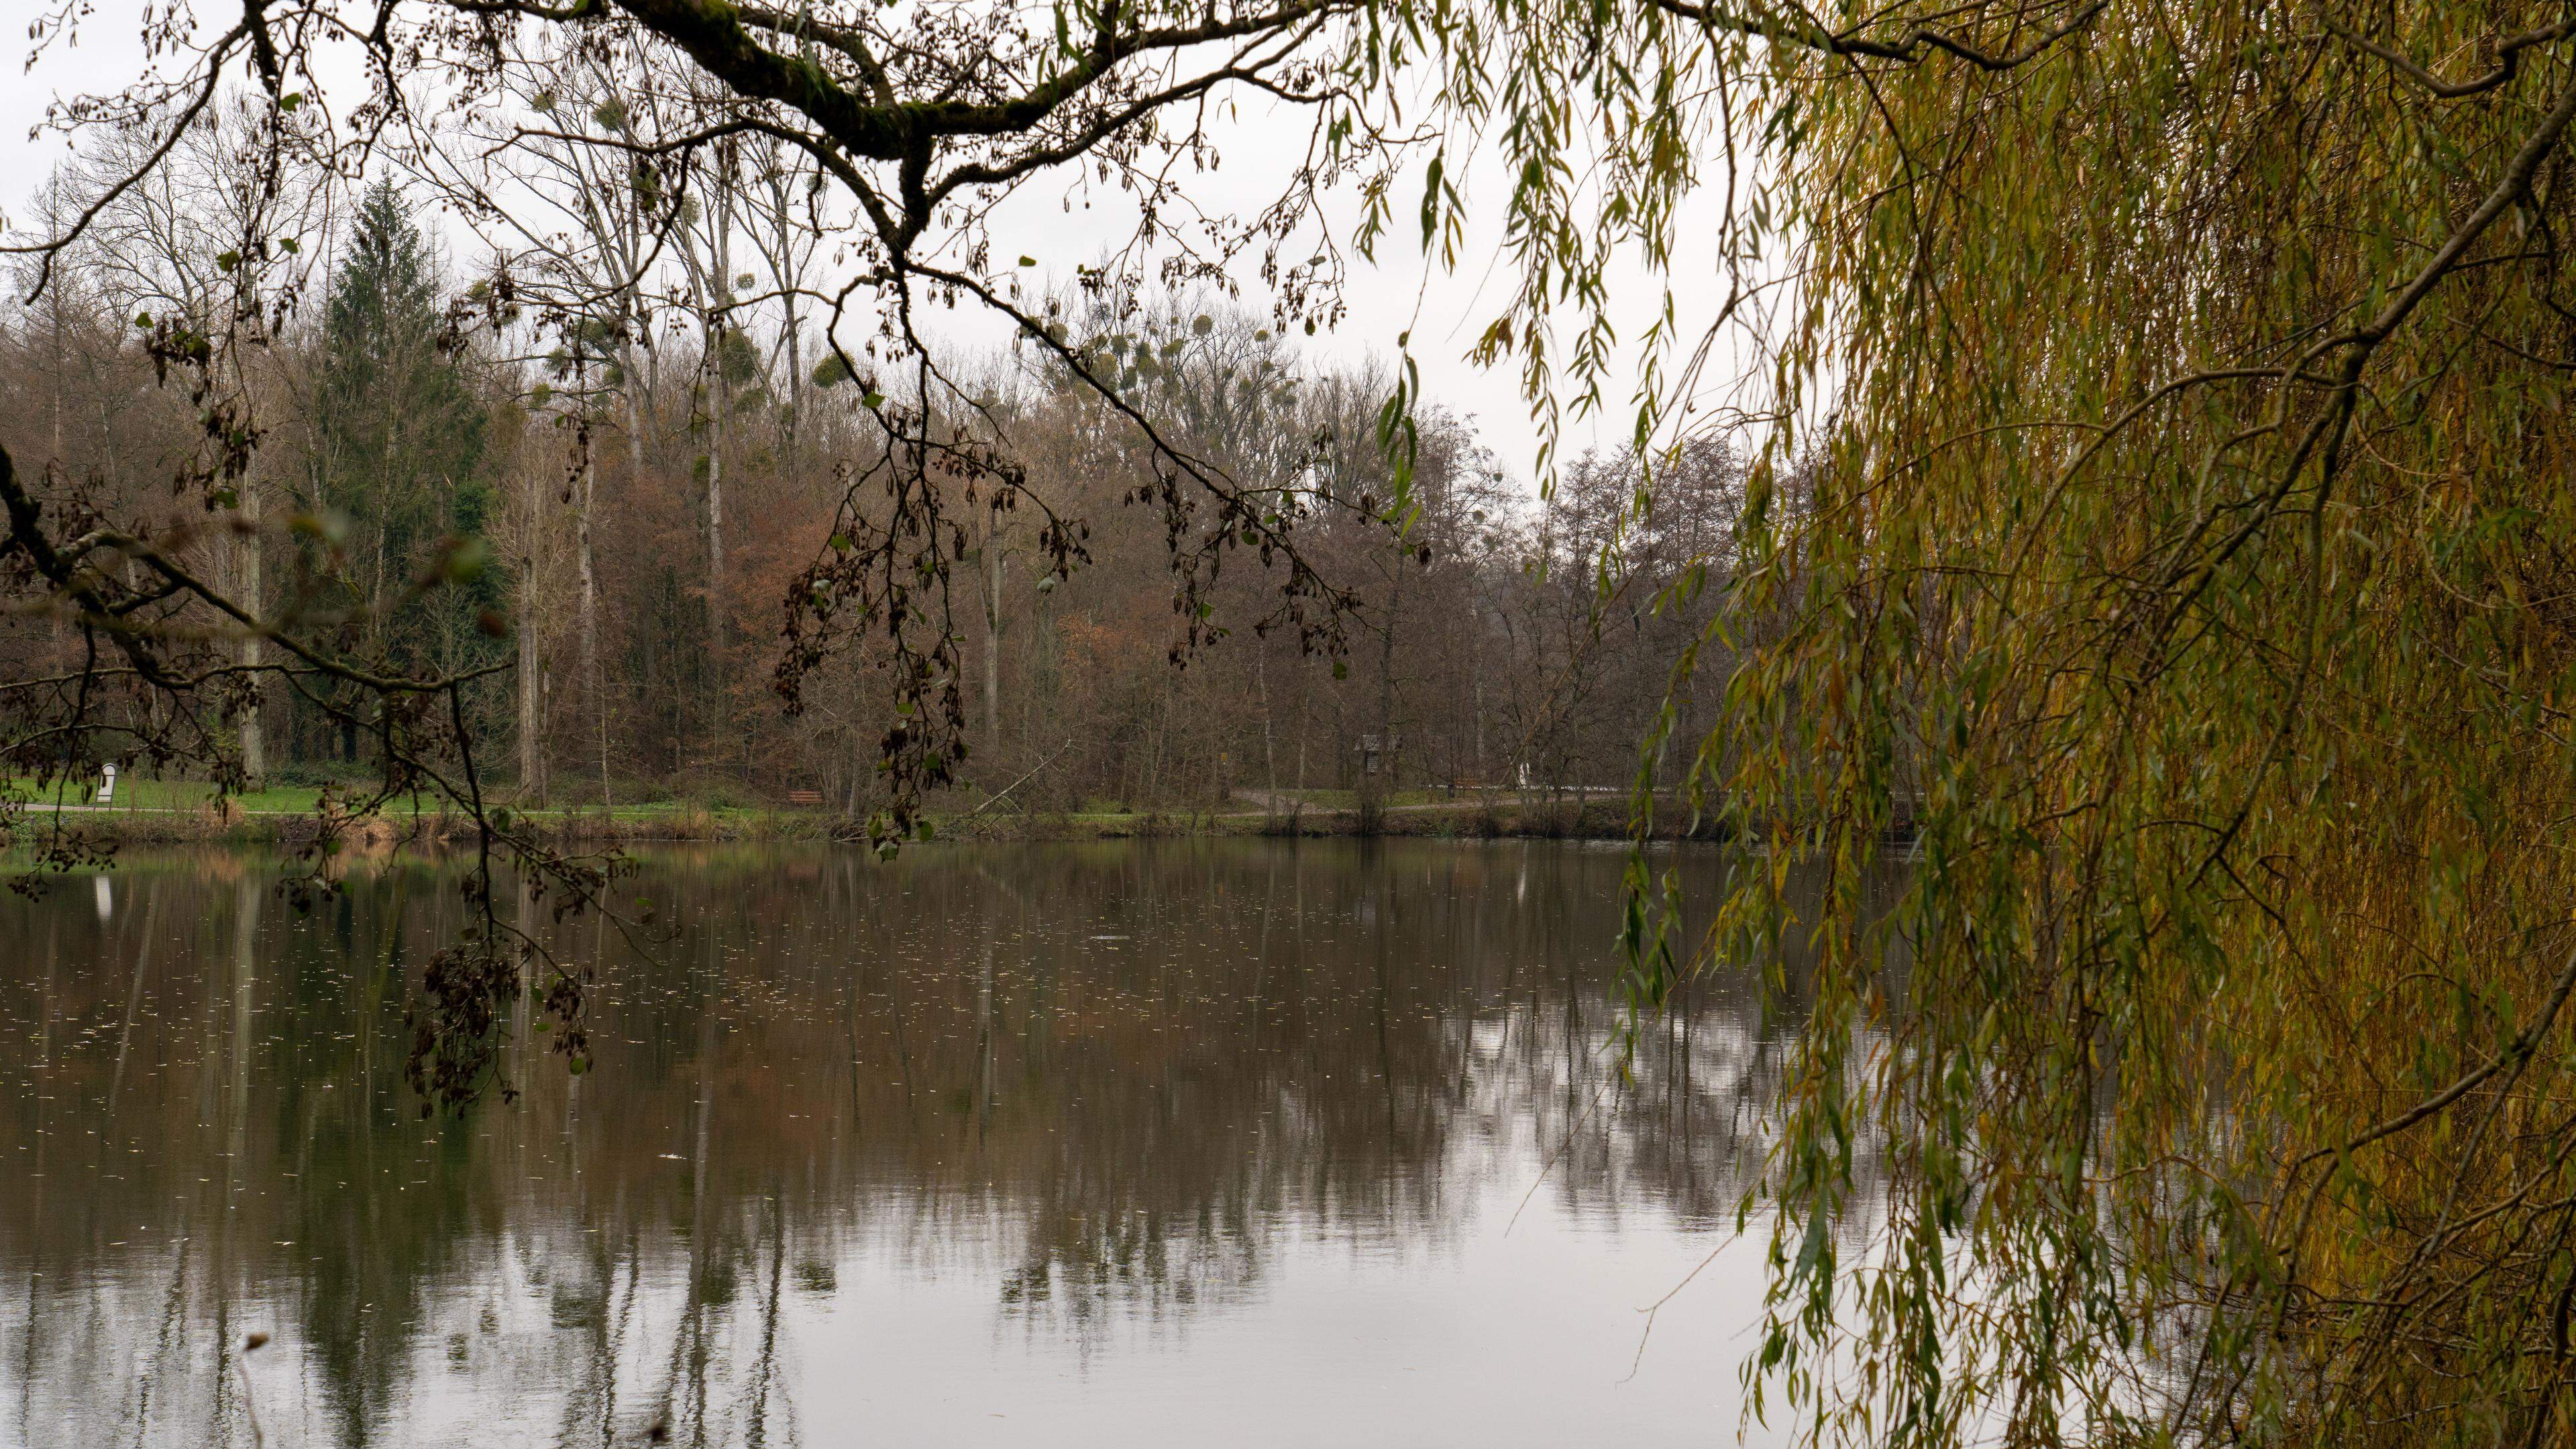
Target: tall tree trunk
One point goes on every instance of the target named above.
(1374, 783)
(634, 437)
(1476, 720)
(795, 329)
(993, 565)
(718, 644)
(631, 359)
(532, 733)
(593, 681)
(1269, 735)
(1305, 727)
(711, 283)
(254, 748)
(716, 641)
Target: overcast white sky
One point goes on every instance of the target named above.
(1443, 311)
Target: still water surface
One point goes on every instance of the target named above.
(1259, 1143)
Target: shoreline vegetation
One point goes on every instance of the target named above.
(180, 813)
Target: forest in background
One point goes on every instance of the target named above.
(511, 457)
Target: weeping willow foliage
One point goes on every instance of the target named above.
(2183, 555)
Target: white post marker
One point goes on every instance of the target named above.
(107, 791)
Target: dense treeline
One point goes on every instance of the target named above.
(625, 501)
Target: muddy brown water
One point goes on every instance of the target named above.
(1134, 1143)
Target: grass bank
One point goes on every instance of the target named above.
(161, 812)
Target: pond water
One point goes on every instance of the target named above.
(1240, 1142)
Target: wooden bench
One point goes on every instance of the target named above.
(804, 797)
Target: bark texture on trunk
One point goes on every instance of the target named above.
(1374, 783)
(993, 566)
(254, 744)
(532, 729)
(594, 682)
(711, 282)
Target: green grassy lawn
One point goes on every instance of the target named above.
(1350, 799)
(1312, 799)
(1319, 799)
(134, 794)
(657, 809)
(146, 794)
(190, 795)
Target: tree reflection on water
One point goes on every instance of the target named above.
(1088, 1094)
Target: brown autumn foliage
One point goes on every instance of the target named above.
(1503, 642)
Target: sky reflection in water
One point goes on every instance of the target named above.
(1132, 1143)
